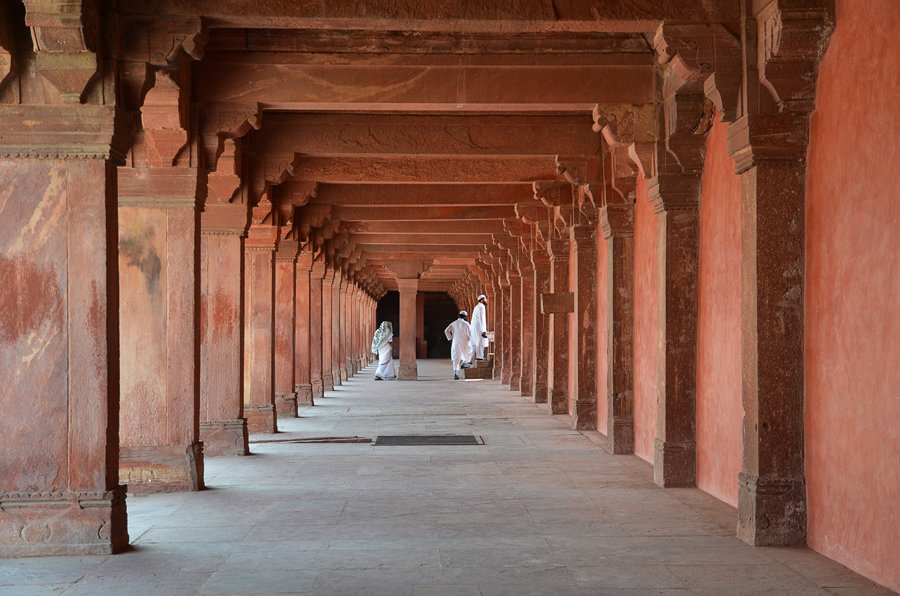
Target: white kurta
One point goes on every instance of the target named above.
(479, 326)
(460, 334)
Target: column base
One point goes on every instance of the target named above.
(585, 415)
(318, 388)
(620, 436)
(408, 371)
(38, 524)
(225, 437)
(504, 376)
(304, 395)
(515, 382)
(343, 373)
(286, 405)
(674, 464)
(771, 511)
(161, 468)
(540, 393)
(559, 402)
(260, 418)
(327, 382)
(336, 377)
(525, 386)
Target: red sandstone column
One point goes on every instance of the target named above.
(336, 326)
(59, 353)
(540, 375)
(259, 292)
(408, 290)
(526, 376)
(285, 307)
(327, 321)
(617, 221)
(302, 371)
(344, 327)
(316, 337)
(158, 301)
(223, 427)
(515, 328)
(558, 378)
(502, 334)
(678, 248)
(772, 493)
(584, 240)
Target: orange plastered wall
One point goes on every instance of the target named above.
(852, 301)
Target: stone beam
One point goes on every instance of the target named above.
(291, 84)
(424, 239)
(423, 213)
(451, 227)
(399, 195)
(415, 170)
(390, 134)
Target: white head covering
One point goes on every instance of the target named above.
(383, 335)
(482, 296)
(464, 313)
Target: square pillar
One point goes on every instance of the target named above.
(772, 485)
(408, 291)
(675, 199)
(327, 323)
(343, 329)
(558, 357)
(515, 330)
(59, 344)
(526, 374)
(223, 428)
(541, 323)
(617, 222)
(259, 292)
(584, 286)
(285, 308)
(503, 339)
(336, 329)
(302, 371)
(159, 294)
(316, 378)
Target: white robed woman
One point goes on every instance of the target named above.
(381, 345)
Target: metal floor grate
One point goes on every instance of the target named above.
(404, 440)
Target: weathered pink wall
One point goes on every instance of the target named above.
(852, 301)
(719, 409)
(602, 339)
(645, 323)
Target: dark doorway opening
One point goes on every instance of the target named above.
(439, 311)
(388, 309)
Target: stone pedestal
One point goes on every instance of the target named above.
(223, 428)
(161, 468)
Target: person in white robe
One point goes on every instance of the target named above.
(479, 328)
(460, 335)
(381, 345)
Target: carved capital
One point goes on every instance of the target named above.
(674, 192)
(222, 121)
(757, 138)
(164, 117)
(617, 220)
(224, 182)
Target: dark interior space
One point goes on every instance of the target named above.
(388, 309)
(440, 311)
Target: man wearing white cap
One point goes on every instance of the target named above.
(479, 328)
(460, 334)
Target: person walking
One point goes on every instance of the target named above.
(479, 328)
(460, 334)
(381, 345)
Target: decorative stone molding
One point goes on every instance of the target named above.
(62, 132)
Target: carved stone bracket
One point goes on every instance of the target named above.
(220, 122)
(629, 132)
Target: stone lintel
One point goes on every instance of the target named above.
(260, 418)
(161, 468)
(558, 302)
(66, 523)
(286, 405)
(224, 437)
(771, 511)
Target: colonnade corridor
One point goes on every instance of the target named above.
(539, 508)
